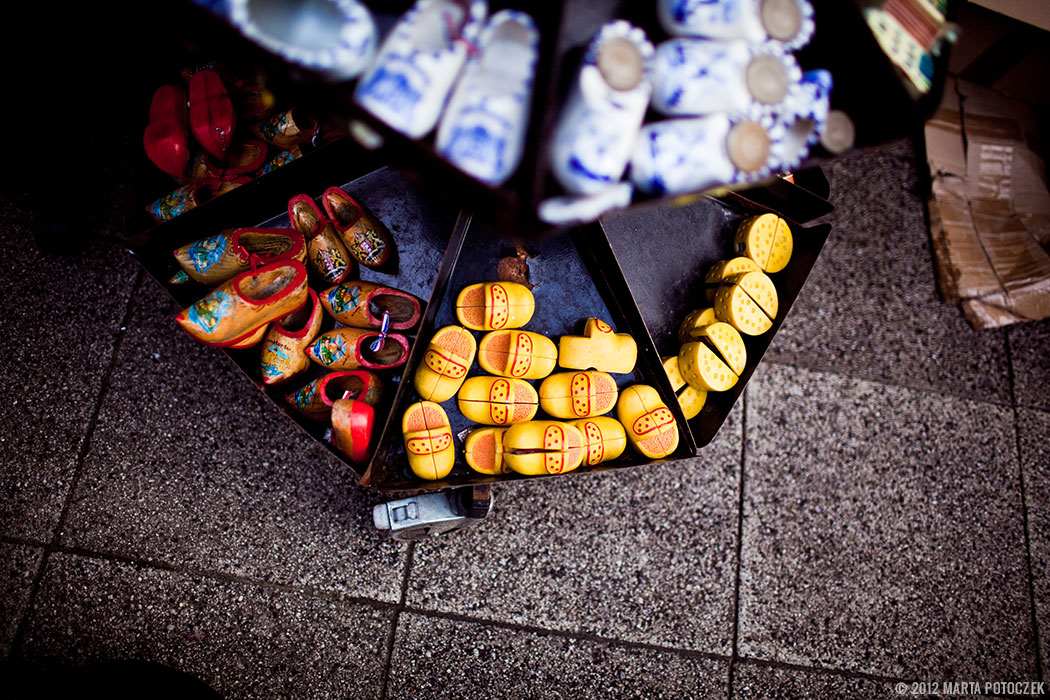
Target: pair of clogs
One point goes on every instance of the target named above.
(207, 113)
(346, 400)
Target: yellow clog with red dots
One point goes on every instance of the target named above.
(515, 353)
(598, 348)
(497, 400)
(483, 449)
(603, 437)
(494, 306)
(650, 425)
(445, 364)
(572, 395)
(703, 369)
(690, 398)
(693, 322)
(428, 440)
(766, 239)
(541, 447)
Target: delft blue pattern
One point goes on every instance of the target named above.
(207, 312)
(207, 251)
(394, 84)
(705, 12)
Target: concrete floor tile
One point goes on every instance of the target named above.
(645, 554)
(193, 466)
(882, 531)
(753, 682)
(870, 307)
(21, 563)
(61, 315)
(242, 640)
(440, 658)
(1030, 352)
(1034, 438)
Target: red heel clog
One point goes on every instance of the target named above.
(282, 354)
(212, 119)
(352, 424)
(363, 304)
(315, 399)
(166, 139)
(350, 348)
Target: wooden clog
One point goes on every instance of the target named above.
(315, 399)
(517, 353)
(703, 369)
(493, 306)
(604, 439)
(445, 364)
(350, 348)
(287, 129)
(734, 306)
(428, 440)
(235, 310)
(252, 339)
(365, 236)
(766, 239)
(352, 426)
(690, 398)
(542, 447)
(578, 394)
(497, 400)
(650, 425)
(212, 118)
(283, 355)
(598, 348)
(166, 138)
(483, 450)
(361, 304)
(693, 322)
(726, 268)
(324, 247)
(217, 258)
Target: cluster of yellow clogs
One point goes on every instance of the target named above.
(742, 301)
(512, 435)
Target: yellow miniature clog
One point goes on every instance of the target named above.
(598, 348)
(649, 424)
(690, 398)
(766, 239)
(727, 343)
(428, 440)
(603, 437)
(517, 354)
(497, 400)
(542, 447)
(760, 288)
(578, 394)
(445, 364)
(702, 368)
(693, 322)
(734, 306)
(493, 306)
(726, 268)
(483, 449)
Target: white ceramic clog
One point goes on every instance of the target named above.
(801, 123)
(789, 23)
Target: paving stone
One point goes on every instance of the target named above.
(1034, 433)
(191, 465)
(1029, 344)
(882, 531)
(242, 640)
(645, 554)
(441, 658)
(870, 307)
(21, 563)
(753, 682)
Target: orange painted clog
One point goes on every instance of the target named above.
(598, 348)
(542, 447)
(428, 440)
(315, 399)
(517, 353)
(483, 449)
(650, 425)
(445, 364)
(362, 305)
(350, 348)
(324, 248)
(493, 306)
(283, 355)
(215, 259)
(352, 426)
(497, 400)
(365, 236)
(604, 438)
(572, 395)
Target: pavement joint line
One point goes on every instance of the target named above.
(410, 557)
(78, 464)
(735, 636)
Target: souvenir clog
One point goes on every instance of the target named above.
(598, 348)
(252, 339)
(693, 322)
(166, 138)
(493, 306)
(350, 348)
(287, 130)
(734, 306)
(363, 304)
(787, 23)
(352, 426)
(760, 288)
(517, 354)
(497, 400)
(703, 369)
(578, 394)
(445, 364)
(428, 440)
(283, 355)
(690, 398)
(234, 310)
(542, 447)
(409, 81)
(650, 425)
(315, 399)
(324, 247)
(212, 118)
(766, 239)
(365, 236)
(727, 344)
(604, 439)
(720, 271)
(483, 450)
(217, 258)
(483, 129)
(802, 120)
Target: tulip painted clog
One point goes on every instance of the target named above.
(539, 447)
(598, 348)
(217, 258)
(428, 440)
(445, 364)
(493, 306)
(362, 305)
(497, 400)
(315, 399)
(650, 425)
(365, 236)
(604, 439)
(283, 355)
(351, 348)
(517, 353)
(578, 394)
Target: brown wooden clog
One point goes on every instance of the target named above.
(324, 247)
(365, 236)
(282, 354)
(350, 348)
(361, 304)
(215, 259)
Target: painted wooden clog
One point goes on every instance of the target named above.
(212, 118)
(693, 322)
(166, 138)
(325, 249)
(766, 239)
(353, 423)
(483, 450)
(539, 447)
(283, 355)
(351, 348)
(217, 258)
(517, 353)
(572, 395)
(365, 236)
(445, 364)
(690, 398)
(316, 398)
(497, 400)
(362, 305)
(493, 306)
(483, 129)
(650, 425)
(236, 309)
(418, 63)
(604, 439)
(598, 348)
(788, 23)
(428, 440)
(287, 130)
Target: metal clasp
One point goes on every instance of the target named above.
(428, 514)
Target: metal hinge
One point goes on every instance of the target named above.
(419, 517)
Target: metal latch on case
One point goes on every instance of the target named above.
(422, 516)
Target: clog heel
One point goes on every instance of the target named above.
(283, 355)
(365, 236)
(324, 247)
(352, 426)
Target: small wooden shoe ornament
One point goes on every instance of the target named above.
(598, 348)
(315, 399)
(282, 353)
(445, 364)
(217, 258)
(365, 236)
(362, 305)
(649, 424)
(604, 439)
(483, 450)
(573, 395)
(350, 348)
(542, 447)
(324, 247)
(428, 440)
(497, 400)
(493, 306)
(352, 426)
(517, 353)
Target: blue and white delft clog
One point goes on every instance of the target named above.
(787, 22)
(409, 82)
(483, 129)
(800, 125)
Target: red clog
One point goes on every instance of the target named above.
(166, 139)
(212, 119)
(316, 399)
(352, 424)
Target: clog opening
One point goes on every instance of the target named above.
(265, 243)
(390, 353)
(400, 308)
(340, 387)
(342, 209)
(307, 24)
